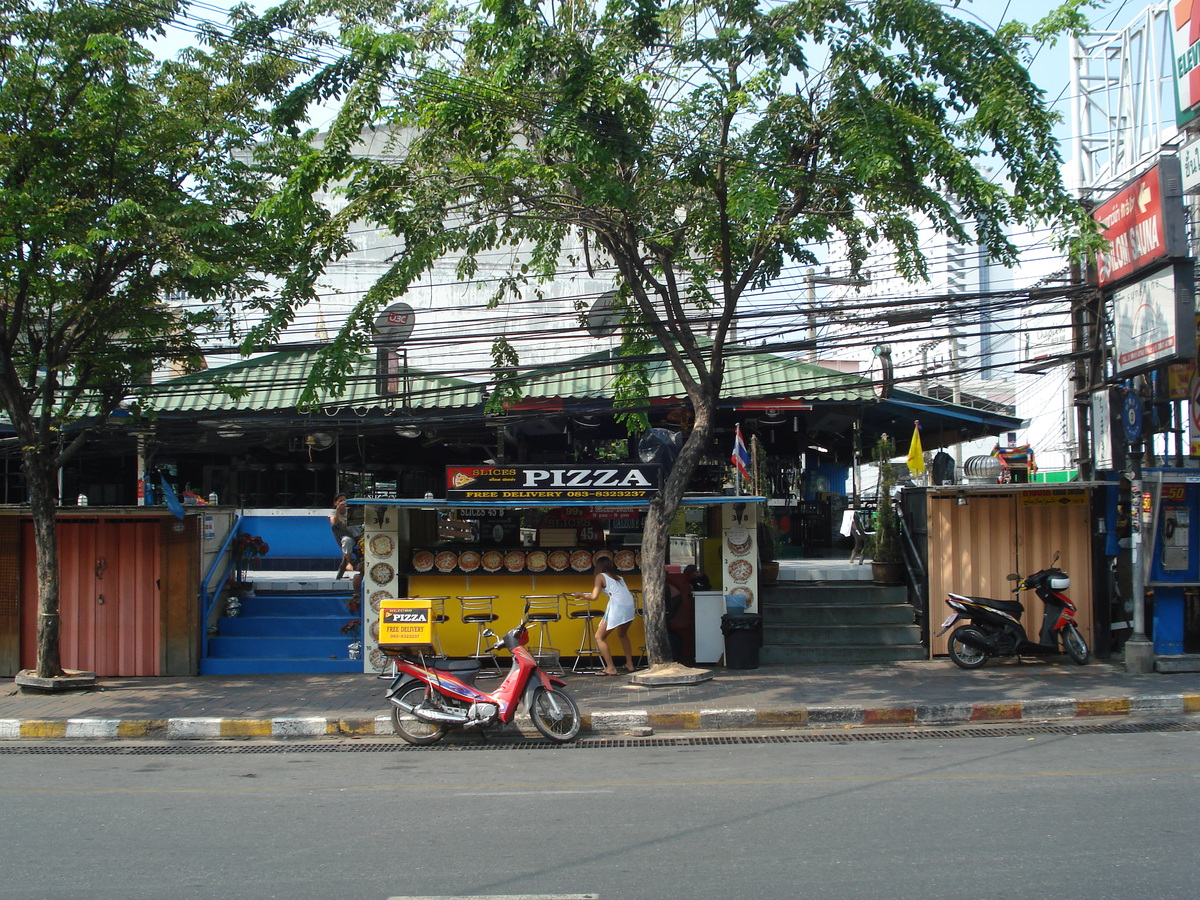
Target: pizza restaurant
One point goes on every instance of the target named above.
(507, 537)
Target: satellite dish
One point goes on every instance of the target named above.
(603, 319)
(394, 325)
(882, 374)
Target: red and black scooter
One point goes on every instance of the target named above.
(994, 627)
(429, 699)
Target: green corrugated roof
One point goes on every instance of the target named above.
(275, 382)
(748, 374)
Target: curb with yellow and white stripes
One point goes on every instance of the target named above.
(618, 722)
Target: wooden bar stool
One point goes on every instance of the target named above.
(544, 609)
(579, 606)
(477, 611)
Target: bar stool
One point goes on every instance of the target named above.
(437, 610)
(477, 611)
(580, 607)
(544, 609)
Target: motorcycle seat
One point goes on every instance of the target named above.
(1012, 607)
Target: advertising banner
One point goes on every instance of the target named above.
(1153, 320)
(1144, 221)
(548, 483)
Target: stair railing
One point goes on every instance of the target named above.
(223, 562)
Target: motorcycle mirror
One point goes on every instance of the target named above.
(1057, 554)
(1014, 577)
(487, 632)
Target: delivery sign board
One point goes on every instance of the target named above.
(1143, 221)
(405, 622)
(546, 484)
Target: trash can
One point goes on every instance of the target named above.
(743, 637)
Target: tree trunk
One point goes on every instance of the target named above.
(40, 475)
(656, 536)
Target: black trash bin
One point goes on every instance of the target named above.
(743, 637)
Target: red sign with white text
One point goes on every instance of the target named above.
(1144, 222)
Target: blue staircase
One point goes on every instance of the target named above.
(283, 631)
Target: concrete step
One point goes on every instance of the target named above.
(296, 604)
(282, 626)
(838, 614)
(332, 646)
(846, 592)
(862, 654)
(273, 666)
(829, 635)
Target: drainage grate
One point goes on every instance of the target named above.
(61, 748)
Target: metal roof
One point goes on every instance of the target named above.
(276, 381)
(749, 373)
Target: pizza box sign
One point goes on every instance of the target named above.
(405, 622)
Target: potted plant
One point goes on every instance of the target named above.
(887, 561)
(245, 548)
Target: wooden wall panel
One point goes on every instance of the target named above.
(974, 547)
(179, 582)
(10, 595)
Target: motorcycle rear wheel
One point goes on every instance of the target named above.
(1075, 645)
(408, 726)
(561, 726)
(964, 655)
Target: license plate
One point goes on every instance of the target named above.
(950, 620)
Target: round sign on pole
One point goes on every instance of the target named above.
(394, 325)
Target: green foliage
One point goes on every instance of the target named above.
(885, 545)
(128, 185)
(697, 147)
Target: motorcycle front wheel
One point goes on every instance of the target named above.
(408, 726)
(964, 655)
(555, 714)
(1075, 645)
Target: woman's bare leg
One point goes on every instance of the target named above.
(610, 667)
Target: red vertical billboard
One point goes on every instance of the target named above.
(1144, 222)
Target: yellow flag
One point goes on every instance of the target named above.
(916, 456)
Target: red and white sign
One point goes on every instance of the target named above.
(1185, 43)
(1133, 220)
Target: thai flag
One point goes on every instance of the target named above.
(741, 456)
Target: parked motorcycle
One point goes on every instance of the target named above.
(994, 627)
(430, 699)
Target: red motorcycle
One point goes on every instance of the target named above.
(429, 699)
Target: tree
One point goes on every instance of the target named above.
(695, 147)
(124, 182)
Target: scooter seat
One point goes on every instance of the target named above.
(1012, 607)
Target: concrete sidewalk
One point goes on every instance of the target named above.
(903, 693)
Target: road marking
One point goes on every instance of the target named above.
(527, 793)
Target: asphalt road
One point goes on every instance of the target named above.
(1007, 816)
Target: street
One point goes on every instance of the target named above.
(1013, 815)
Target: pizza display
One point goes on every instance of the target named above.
(422, 560)
(626, 560)
(581, 560)
(493, 561)
(514, 560)
(469, 560)
(559, 560)
(446, 561)
(536, 561)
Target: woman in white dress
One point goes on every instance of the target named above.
(618, 615)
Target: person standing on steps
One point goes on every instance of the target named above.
(618, 615)
(345, 535)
